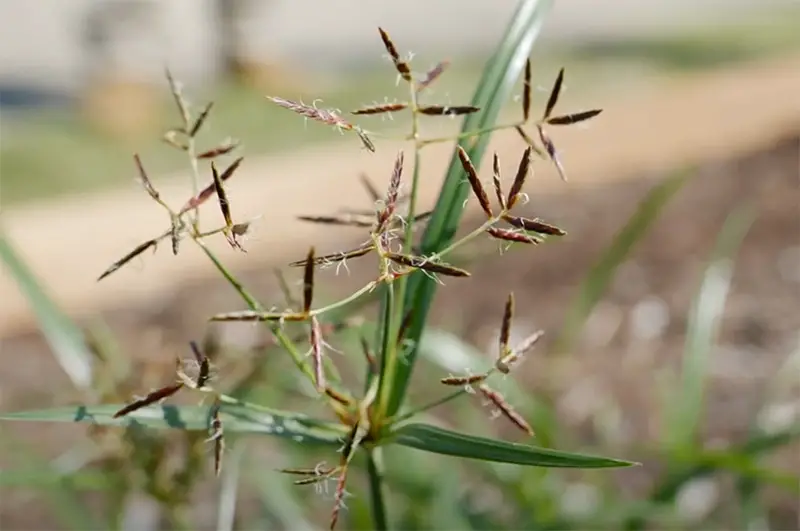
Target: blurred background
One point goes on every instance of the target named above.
(709, 91)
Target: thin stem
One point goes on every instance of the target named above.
(387, 350)
(376, 489)
(469, 134)
(429, 406)
(254, 305)
(347, 300)
(395, 307)
(195, 177)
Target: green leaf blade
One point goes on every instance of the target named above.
(65, 339)
(437, 440)
(235, 419)
(492, 93)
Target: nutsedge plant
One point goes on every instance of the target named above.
(361, 420)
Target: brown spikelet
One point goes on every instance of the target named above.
(317, 471)
(329, 117)
(175, 234)
(222, 197)
(201, 119)
(528, 343)
(338, 497)
(519, 179)
(316, 354)
(390, 204)
(511, 236)
(505, 328)
(512, 356)
(529, 141)
(401, 66)
(551, 152)
(534, 225)
(380, 108)
(146, 183)
(372, 363)
(447, 110)
(222, 149)
(206, 192)
(432, 75)
(365, 140)
(217, 436)
(339, 397)
(337, 257)
(308, 281)
(252, 315)
(204, 371)
(475, 182)
(404, 324)
(152, 398)
(171, 138)
(425, 264)
(505, 408)
(463, 380)
(498, 187)
(351, 220)
(317, 478)
(526, 92)
(554, 93)
(139, 249)
(177, 94)
(569, 119)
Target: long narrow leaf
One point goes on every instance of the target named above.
(64, 338)
(602, 273)
(235, 418)
(686, 409)
(446, 442)
(492, 93)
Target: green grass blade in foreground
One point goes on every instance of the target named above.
(446, 442)
(602, 273)
(235, 419)
(686, 408)
(492, 93)
(64, 338)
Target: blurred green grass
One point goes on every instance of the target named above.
(49, 153)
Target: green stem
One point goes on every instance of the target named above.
(469, 134)
(254, 305)
(431, 405)
(376, 490)
(347, 300)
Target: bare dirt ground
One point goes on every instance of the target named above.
(739, 126)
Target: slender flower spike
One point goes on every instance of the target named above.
(505, 329)
(206, 192)
(554, 94)
(152, 398)
(308, 282)
(381, 109)
(498, 401)
(474, 181)
(519, 180)
(498, 187)
(139, 249)
(432, 75)
(402, 67)
(526, 92)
